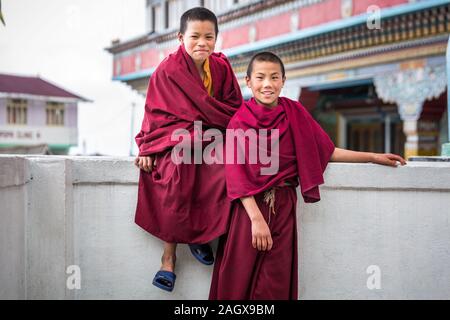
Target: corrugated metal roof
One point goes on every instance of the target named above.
(33, 86)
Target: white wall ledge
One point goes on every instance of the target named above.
(121, 170)
(13, 171)
(58, 211)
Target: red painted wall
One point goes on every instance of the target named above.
(127, 64)
(360, 6)
(320, 13)
(148, 58)
(273, 26)
(235, 37)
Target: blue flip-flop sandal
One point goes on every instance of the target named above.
(164, 280)
(203, 253)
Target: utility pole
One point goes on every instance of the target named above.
(84, 152)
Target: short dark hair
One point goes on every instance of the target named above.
(198, 14)
(267, 57)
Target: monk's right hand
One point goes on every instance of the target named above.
(261, 237)
(146, 163)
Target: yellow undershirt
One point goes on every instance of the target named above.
(207, 79)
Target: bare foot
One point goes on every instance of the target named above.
(168, 263)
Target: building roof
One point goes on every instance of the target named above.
(11, 84)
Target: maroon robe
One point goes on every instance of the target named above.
(184, 203)
(241, 271)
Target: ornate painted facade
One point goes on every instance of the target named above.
(371, 71)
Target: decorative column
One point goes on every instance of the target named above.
(341, 131)
(409, 89)
(445, 150)
(387, 134)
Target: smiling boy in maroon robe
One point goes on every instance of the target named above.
(257, 258)
(185, 203)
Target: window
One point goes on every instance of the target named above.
(156, 15)
(55, 113)
(149, 19)
(166, 14)
(221, 6)
(218, 6)
(153, 17)
(17, 111)
(214, 5)
(174, 12)
(162, 15)
(157, 18)
(242, 2)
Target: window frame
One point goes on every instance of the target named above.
(54, 114)
(17, 111)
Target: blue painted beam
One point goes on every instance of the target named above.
(135, 75)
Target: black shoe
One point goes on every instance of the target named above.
(203, 253)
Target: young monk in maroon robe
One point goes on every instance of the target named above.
(185, 203)
(257, 258)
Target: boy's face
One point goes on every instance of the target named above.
(199, 39)
(266, 82)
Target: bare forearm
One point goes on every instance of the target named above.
(251, 207)
(343, 155)
(261, 235)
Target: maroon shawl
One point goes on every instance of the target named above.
(312, 149)
(184, 203)
(176, 97)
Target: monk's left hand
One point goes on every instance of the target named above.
(388, 159)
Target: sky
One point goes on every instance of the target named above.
(63, 41)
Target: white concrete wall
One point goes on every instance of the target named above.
(14, 175)
(394, 218)
(57, 211)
